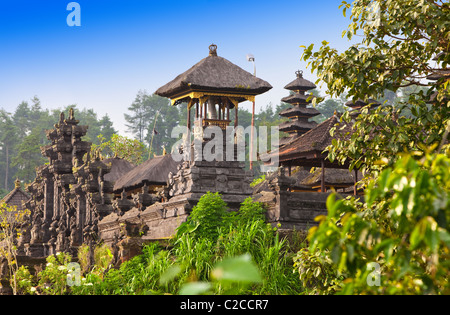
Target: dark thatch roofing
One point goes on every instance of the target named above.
(151, 172)
(299, 111)
(16, 197)
(214, 73)
(333, 176)
(300, 84)
(299, 125)
(315, 140)
(285, 140)
(298, 98)
(439, 74)
(119, 167)
(361, 103)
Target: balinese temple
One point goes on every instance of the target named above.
(298, 114)
(211, 89)
(307, 150)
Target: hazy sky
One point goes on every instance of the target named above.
(123, 46)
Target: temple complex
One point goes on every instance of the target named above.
(79, 198)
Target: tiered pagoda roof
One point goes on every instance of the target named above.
(298, 113)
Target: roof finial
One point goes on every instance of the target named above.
(213, 50)
(299, 73)
(17, 183)
(71, 114)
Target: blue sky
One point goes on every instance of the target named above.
(122, 46)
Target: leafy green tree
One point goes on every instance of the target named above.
(21, 119)
(399, 39)
(398, 242)
(140, 116)
(28, 156)
(119, 146)
(207, 217)
(8, 141)
(106, 127)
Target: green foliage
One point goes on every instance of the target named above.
(258, 181)
(398, 41)
(251, 211)
(246, 257)
(317, 272)
(207, 217)
(11, 223)
(53, 279)
(121, 147)
(403, 227)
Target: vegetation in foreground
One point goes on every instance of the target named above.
(214, 252)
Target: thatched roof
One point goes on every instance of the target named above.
(16, 197)
(214, 73)
(313, 141)
(360, 103)
(151, 172)
(300, 84)
(285, 140)
(119, 167)
(439, 74)
(299, 111)
(298, 98)
(297, 125)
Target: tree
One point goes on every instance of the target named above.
(121, 147)
(164, 117)
(28, 156)
(11, 221)
(399, 39)
(397, 241)
(8, 140)
(139, 120)
(106, 127)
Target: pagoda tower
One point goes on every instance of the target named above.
(298, 114)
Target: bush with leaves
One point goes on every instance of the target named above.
(403, 227)
(11, 225)
(245, 257)
(206, 218)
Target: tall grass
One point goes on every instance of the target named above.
(195, 254)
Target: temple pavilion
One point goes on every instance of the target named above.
(211, 89)
(213, 86)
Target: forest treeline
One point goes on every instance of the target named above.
(150, 119)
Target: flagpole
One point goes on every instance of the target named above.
(251, 58)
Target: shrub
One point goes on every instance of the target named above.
(398, 241)
(207, 217)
